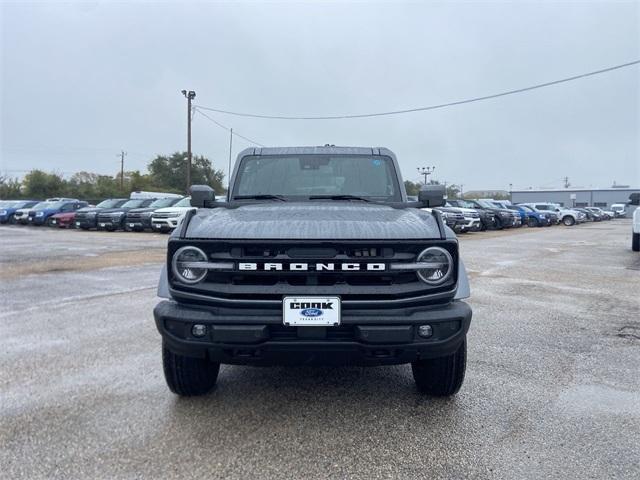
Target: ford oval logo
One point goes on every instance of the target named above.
(311, 312)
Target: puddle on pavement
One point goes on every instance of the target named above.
(599, 399)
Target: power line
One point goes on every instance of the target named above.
(422, 109)
(197, 109)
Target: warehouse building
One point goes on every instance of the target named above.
(575, 197)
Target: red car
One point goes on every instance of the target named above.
(64, 220)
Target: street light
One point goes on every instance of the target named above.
(426, 171)
(189, 95)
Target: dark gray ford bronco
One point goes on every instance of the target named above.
(315, 257)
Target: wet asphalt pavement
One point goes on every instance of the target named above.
(552, 387)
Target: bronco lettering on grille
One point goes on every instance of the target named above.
(318, 267)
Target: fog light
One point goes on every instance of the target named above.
(199, 330)
(425, 331)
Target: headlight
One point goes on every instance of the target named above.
(39, 214)
(117, 214)
(441, 265)
(180, 264)
(173, 215)
(3, 212)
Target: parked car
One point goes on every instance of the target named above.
(87, 218)
(374, 281)
(503, 218)
(591, 216)
(532, 217)
(471, 218)
(634, 200)
(8, 209)
(487, 217)
(604, 215)
(567, 216)
(113, 218)
(518, 217)
(453, 217)
(619, 210)
(166, 219)
(138, 219)
(64, 220)
(42, 213)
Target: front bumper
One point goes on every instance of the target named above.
(371, 337)
(137, 225)
(109, 223)
(163, 224)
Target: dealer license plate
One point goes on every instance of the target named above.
(77, 224)
(131, 225)
(103, 224)
(311, 311)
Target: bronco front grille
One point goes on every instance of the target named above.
(272, 285)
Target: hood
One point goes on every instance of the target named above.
(89, 209)
(173, 209)
(65, 214)
(140, 210)
(113, 210)
(313, 221)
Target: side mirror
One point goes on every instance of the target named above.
(202, 196)
(432, 195)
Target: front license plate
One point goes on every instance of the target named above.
(131, 225)
(311, 311)
(103, 224)
(77, 224)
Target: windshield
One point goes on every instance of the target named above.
(527, 208)
(163, 202)
(111, 203)
(185, 202)
(7, 204)
(136, 203)
(298, 177)
(484, 203)
(48, 205)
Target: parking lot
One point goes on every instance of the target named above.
(552, 387)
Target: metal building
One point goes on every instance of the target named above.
(575, 197)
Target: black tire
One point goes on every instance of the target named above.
(186, 376)
(533, 222)
(441, 377)
(49, 222)
(569, 221)
(635, 242)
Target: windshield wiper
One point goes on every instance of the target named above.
(265, 196)
(338, 197)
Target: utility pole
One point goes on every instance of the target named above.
(189, 95)
(511, 192)
(461, 191)
(566, 182)
(426, 171)
(230, 147)
(122, 154)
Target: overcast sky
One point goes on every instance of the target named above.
(81, 81)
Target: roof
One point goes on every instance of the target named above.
(321, 150)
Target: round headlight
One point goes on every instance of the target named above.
(441, 265)
(180, 264)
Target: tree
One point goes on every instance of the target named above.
(9, 188)
(38, 184)
(453, 191)
(412, 188)
(170, 172)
